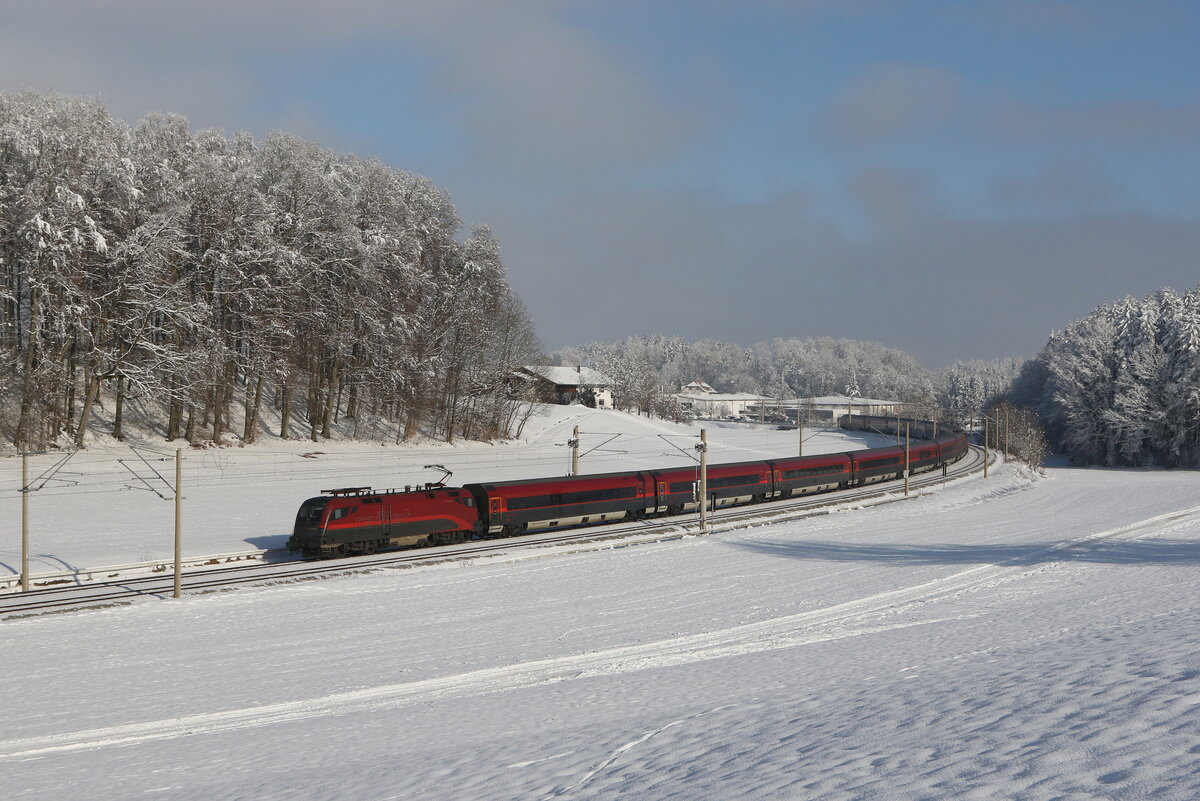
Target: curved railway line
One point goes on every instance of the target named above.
(66, 597)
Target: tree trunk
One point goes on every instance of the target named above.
(218, 420)
(314, 405)
(331, 396)
(119, 410)
(250, 431)
(24, 437)
(285, 412)
(352, 401)
(174, 420)
(93, 389)
(68, 412)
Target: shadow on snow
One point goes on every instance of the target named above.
(1155, 552)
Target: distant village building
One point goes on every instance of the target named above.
(828, 408)
(719, 405)
(697, 388)
(567, 385)
(703, 401)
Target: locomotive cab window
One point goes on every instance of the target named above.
(311, 511)
(341, 512)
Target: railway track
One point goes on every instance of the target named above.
(66, 597)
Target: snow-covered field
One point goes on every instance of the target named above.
(1016, 638)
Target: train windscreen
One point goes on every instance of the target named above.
(311, 511)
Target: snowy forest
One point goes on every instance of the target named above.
(644, 368)
(201, 279)
(1122, 385)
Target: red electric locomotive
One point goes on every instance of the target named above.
(359, 520)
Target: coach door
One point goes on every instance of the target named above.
(662, 494)
(385, 519)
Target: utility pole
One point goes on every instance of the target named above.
(906, 460)
(178, 522)
(24, 522)
(574, 443)
(703, 479)
(800, 427)
(985, 446)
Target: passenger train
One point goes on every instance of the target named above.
(362, 520)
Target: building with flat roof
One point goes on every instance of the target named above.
(720, 405)
(823, 409)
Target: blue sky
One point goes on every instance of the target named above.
(955, 179)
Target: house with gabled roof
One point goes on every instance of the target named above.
(698, 387)
(567, 385)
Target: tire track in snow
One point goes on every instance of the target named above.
(615, 755)
(863, 616)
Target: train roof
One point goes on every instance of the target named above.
(622, 474)
(544, 479)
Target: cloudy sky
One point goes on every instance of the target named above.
(955, 179)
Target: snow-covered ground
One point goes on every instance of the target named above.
(1016, 638)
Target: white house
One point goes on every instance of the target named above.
(563, 384)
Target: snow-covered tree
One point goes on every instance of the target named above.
(1121, 386)
(197, 270)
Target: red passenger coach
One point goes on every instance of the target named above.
(923, 456)
(511, 507)
(952, 447)
(806, 474)
(877, 464)
(736, 482)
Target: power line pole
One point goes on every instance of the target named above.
(574, 443)
(25, 522)
(178, 522)
(985, 446)
(703, 479)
